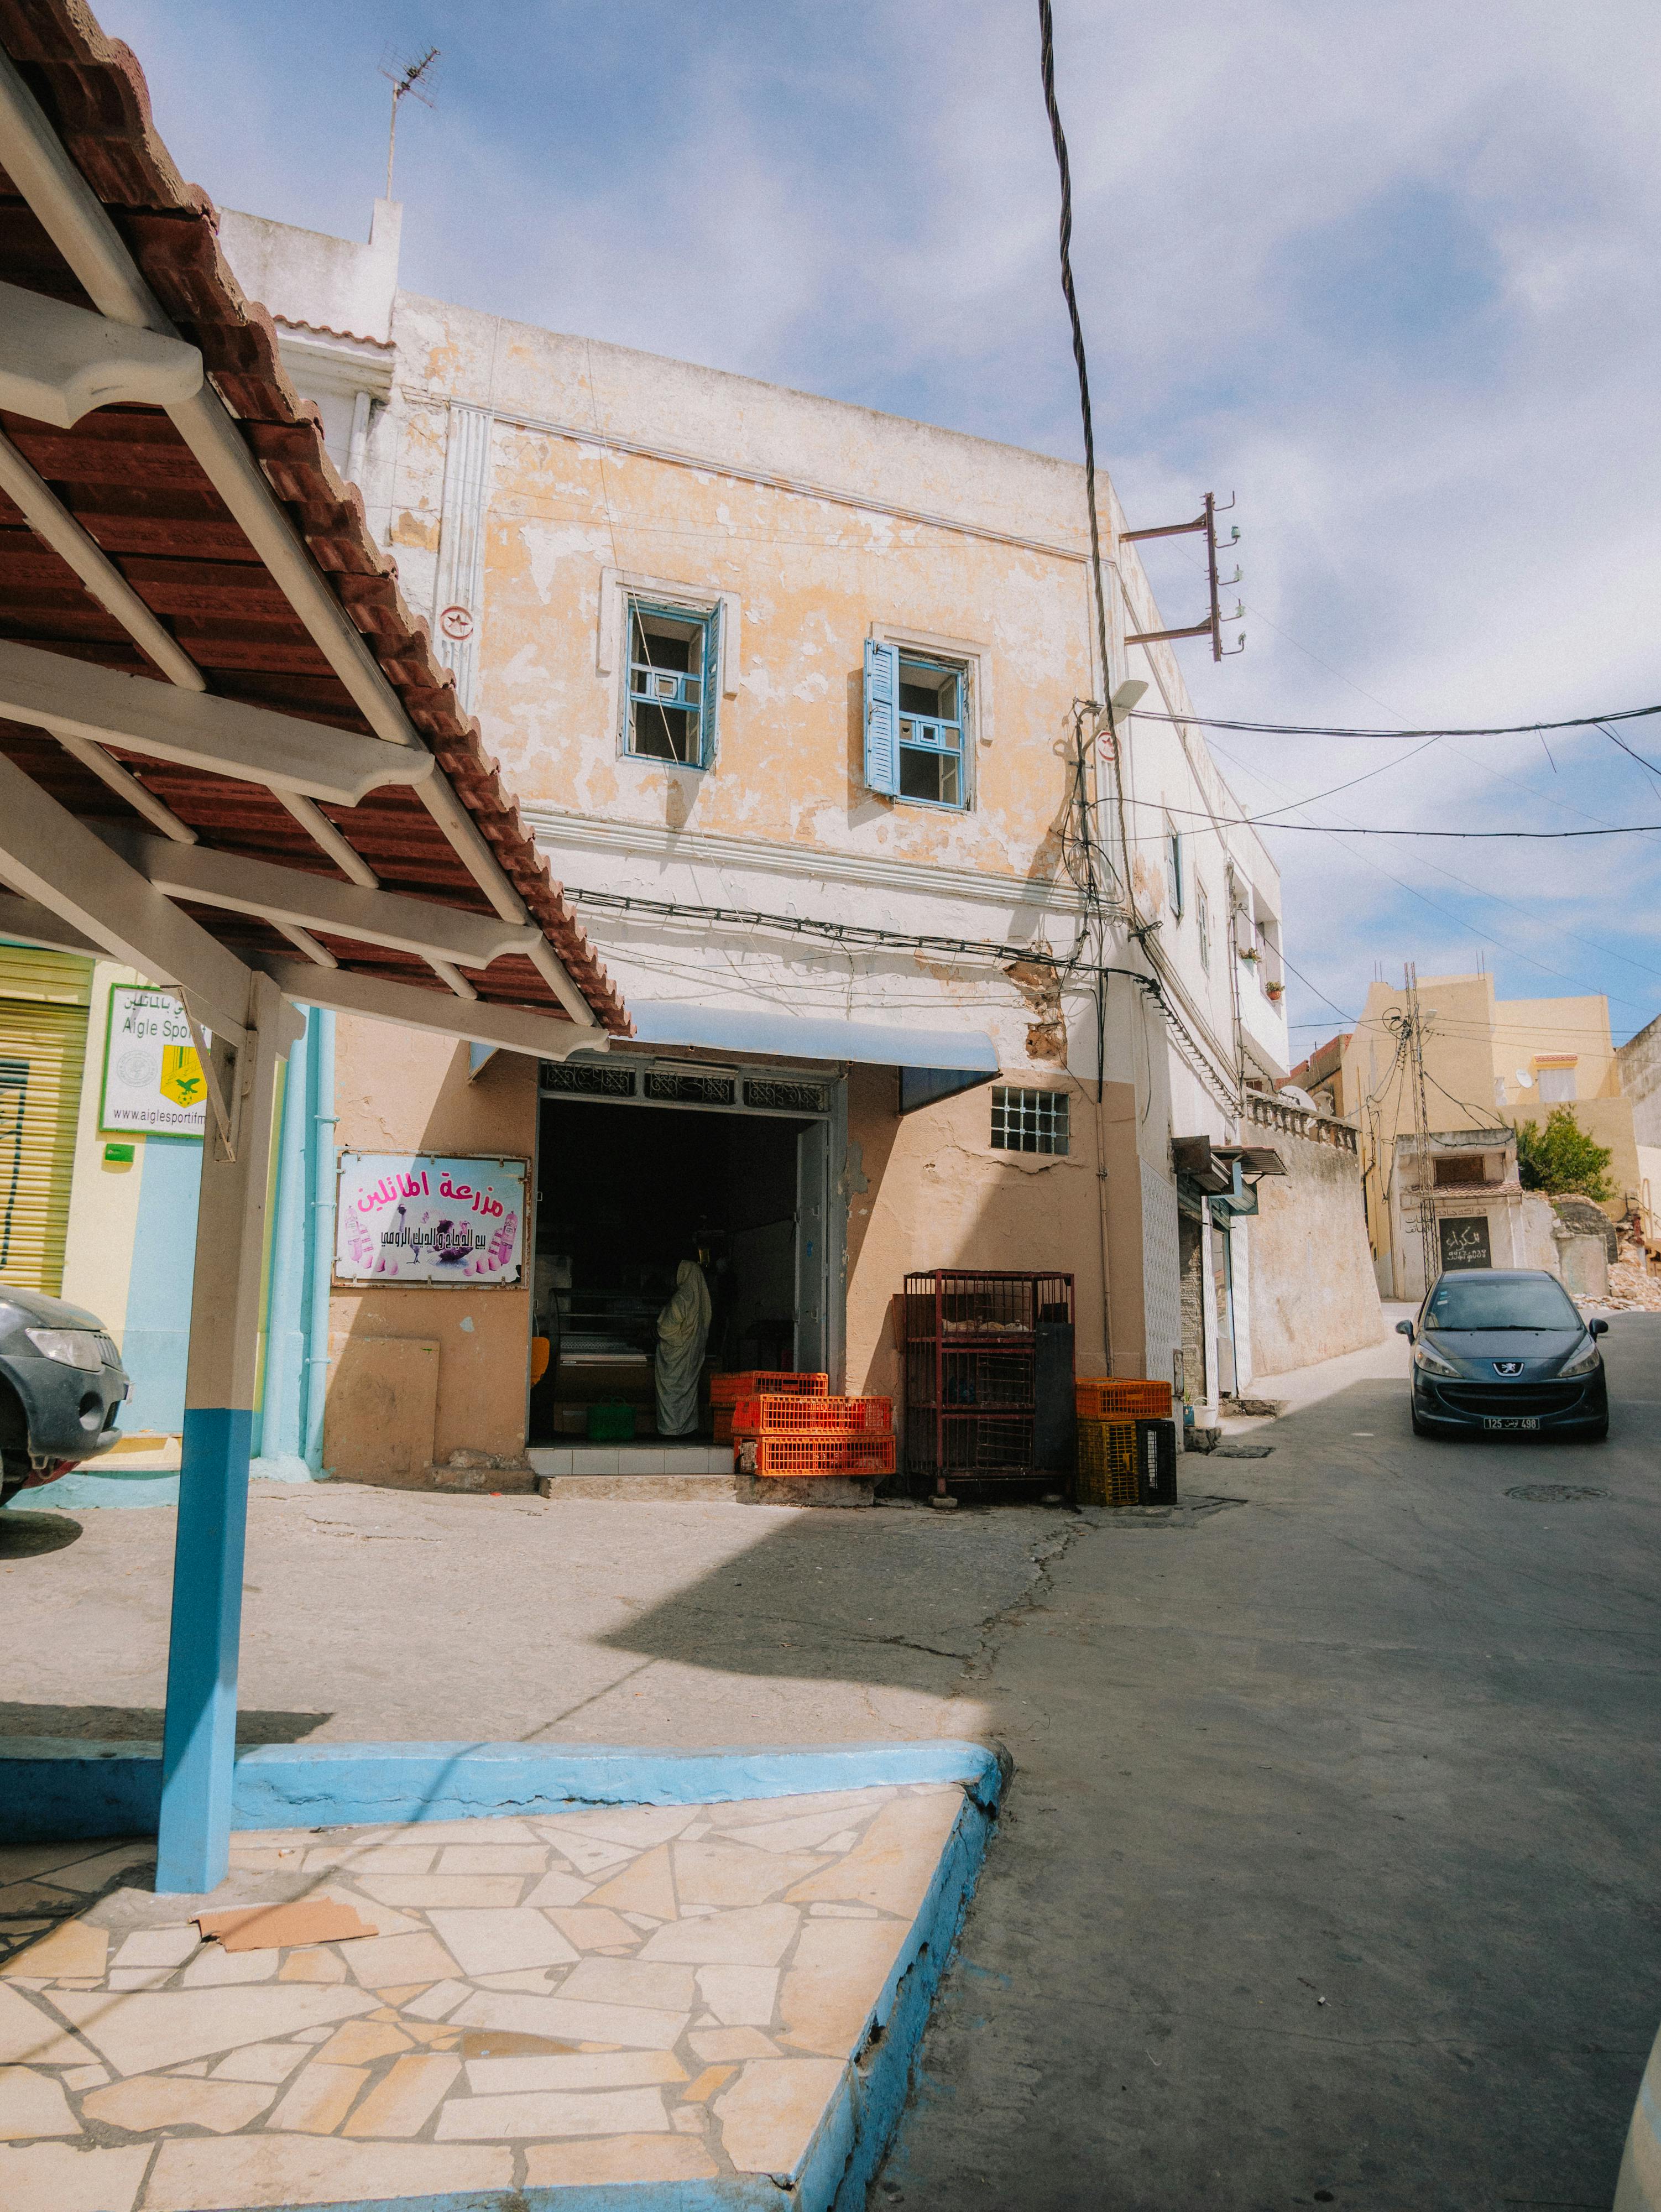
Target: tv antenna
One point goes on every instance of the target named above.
(416, 73)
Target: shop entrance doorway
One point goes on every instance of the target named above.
(642, 1165)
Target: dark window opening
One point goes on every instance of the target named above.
(931, 733)
(667, 657)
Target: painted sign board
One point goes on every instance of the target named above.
(152, 1077)
(427, 1219)
(1464, 1241)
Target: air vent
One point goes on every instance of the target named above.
(786, 1097)
(675, 1090)
(588, 1082)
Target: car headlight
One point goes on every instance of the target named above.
(1432, 1362)
(70, 1347)
(1583, 1362)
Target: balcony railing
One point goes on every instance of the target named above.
(1299, 1121)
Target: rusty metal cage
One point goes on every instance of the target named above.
(970, 1347)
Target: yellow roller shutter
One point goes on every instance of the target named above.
(43, 998)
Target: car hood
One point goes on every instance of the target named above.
(20, 1309)
(1474, 1351)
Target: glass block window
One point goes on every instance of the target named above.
(1029, 1121)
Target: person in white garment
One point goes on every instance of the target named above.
(682, 1334)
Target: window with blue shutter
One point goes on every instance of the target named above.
(674, 682)
(914, 727)
(882, 718)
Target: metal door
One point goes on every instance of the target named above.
(812, 1194)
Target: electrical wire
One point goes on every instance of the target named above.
(1322, 730)
(1357, 829)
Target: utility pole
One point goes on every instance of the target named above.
(418, 75)
(1410, 1026)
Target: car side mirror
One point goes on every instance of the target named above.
(1597, 1329)
(1404, 1329)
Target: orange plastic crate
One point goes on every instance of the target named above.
(1122, 1398)
(821, 1454)
(767, 1415)
(728, 1390)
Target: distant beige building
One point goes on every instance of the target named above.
(1489, 1061)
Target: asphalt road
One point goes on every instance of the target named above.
(1332, 1872)
(1330, 1869)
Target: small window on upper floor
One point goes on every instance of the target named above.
(1173, 886)
(915, 720)
(1202, 924)
(1029, 1121)
(1557, 1085)
(674, 657)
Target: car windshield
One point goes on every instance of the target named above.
(1477, 1301)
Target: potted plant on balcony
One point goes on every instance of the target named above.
(1274, 991)
(1251, 952)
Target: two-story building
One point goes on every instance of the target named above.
(928, 966)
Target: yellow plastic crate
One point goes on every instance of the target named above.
(1106, 1463)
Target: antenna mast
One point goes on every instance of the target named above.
(407, 73)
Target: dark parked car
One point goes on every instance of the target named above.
(1506, 1349)
(61, 1387)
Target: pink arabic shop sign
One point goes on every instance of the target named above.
(416, 1217)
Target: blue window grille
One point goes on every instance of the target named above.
(914, 726)
(673, 681)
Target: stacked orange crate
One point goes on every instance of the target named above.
(1121, 1398)
(728, 1391)
(818, 1435)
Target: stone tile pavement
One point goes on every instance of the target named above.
(633, 1994)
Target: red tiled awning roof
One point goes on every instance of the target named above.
(129, 479)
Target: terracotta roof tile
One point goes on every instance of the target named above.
(133, 484)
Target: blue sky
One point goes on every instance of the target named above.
(1386, 273)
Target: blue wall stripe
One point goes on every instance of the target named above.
(155, 1335)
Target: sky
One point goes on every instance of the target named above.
(1386, 274)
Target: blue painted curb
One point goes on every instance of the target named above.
(51, 1788)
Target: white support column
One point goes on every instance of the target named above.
(199, 1746)
(1208, 1412)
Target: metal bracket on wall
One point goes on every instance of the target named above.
(1212, 626)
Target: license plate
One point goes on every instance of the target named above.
(1492, 1421)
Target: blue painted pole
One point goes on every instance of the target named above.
(199, 1744)
(199, 1735)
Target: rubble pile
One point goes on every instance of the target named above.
(1631, 1290)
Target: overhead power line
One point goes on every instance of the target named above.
(1324, 730)
(1357, 829)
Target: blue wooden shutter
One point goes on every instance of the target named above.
(712, 687)
(882, 718)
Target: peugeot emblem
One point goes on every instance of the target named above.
(1508, 1366)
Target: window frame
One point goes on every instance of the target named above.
(1203, 926)
(1046, 1125)
(706, 622)
(1174, 883)
(971, 659)
(960, 676)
